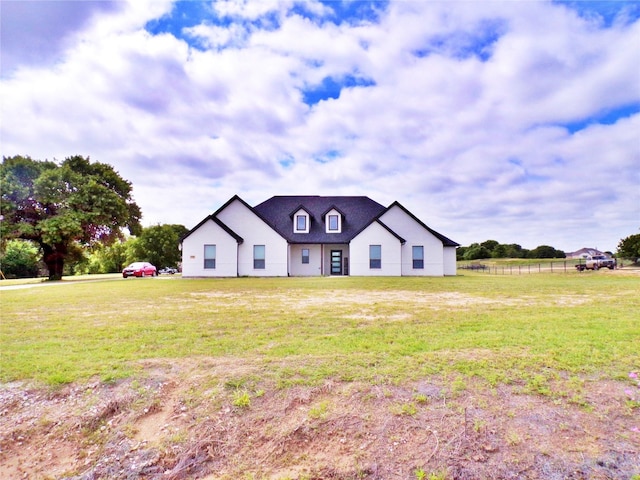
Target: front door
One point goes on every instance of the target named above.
(336, 262)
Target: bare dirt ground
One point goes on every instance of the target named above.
(182, 422)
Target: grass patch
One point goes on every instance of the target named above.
(515, 329)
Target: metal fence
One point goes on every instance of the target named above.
(552, 266)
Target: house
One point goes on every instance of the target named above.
(585, 253)
(314, 236)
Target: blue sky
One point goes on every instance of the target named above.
(509, 120)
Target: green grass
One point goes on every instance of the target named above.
(528, 329)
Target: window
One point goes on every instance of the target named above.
(418, 256)
(209, 256)
(375, 256)
(258, 256)
(333, 223)
(301, 223)
(305, 255)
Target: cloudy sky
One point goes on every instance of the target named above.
(517, 121)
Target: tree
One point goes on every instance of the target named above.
(514, 250)
(20, 259)
(476, 252)
(629, 247)
(61, 207)
(546, 251)
(490, 245)
(158, 245)
(105, 258)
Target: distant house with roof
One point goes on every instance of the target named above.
(315, 236)
(585, 253)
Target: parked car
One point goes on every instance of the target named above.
(169, 270)
(139, 269)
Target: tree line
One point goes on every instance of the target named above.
(76, 216)
(494, 249)
(628, 247)
(157, 244)
(79, 216)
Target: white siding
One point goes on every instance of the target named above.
(415, 234)
(209, 233)
(254, 231)
(299, 269)
(375, 234)
(450, 266)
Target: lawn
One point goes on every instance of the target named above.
(399, 349)
(494, 327)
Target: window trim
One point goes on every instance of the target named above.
(210, 262)
(418, 262)
(305, 258)
(303, 218)
(259, 263)
(375, 262)
(333, 216)
(301, 215)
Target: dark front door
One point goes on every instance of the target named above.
(336, 262)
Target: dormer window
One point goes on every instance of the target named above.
(301, 221)
(333, 221)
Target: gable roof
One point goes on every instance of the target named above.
(357, 213)
(447, 242)
(218, 222)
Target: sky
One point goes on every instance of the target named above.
(516, 121)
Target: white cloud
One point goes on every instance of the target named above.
(463, 123)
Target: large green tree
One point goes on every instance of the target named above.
(629, 247)
(546, 251)
(61, 206)
(158, 245)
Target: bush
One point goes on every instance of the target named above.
(20, 259)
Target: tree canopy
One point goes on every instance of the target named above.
(493, 249)
(63, 206)
(158, 245)
(629, 247)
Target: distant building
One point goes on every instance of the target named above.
(585, 253)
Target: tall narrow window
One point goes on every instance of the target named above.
(333, 222)
(418, 256)
(301, 223)
(375, 256)
(209, 256)
(258, 256)
(305, 255)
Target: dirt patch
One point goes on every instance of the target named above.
(188, 419)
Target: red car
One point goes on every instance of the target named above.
(139, 269)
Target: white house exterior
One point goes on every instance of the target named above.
(314, 236)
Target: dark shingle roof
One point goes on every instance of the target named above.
(357, 213)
